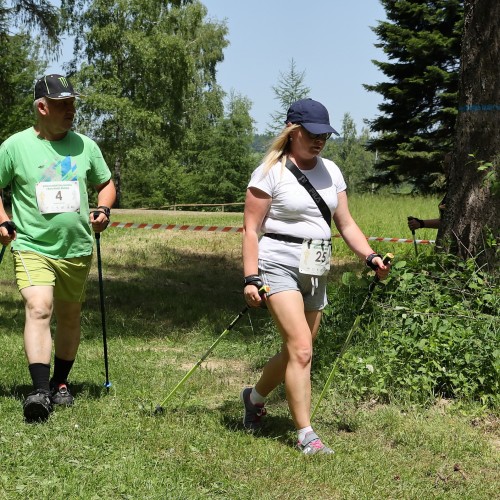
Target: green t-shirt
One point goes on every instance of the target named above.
(25, 161)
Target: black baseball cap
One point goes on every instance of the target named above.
(312, 115)
(54, 87)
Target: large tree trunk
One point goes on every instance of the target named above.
(118, 181)
(472, 211)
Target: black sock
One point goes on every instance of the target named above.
(40, 373)
(62, 368)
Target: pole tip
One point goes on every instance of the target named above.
(158, 410)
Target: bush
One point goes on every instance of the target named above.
(432, 330)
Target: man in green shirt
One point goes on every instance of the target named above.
(48, 168)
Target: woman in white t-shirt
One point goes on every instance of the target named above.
(287, 247)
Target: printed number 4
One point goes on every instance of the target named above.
(59, 196)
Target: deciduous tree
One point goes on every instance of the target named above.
(350, 154)
(224, 168)
(148, 67)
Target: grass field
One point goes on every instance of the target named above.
(169, 295)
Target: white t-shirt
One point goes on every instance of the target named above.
(293, 212)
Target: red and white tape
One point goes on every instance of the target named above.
(176, 227)
(232, 229)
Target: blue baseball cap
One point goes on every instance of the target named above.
(312, 115)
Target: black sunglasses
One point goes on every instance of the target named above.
(316, 137)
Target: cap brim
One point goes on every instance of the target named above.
(319, 128)
(64, 95)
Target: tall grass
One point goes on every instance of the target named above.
(168, 295)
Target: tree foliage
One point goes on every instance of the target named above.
(19, 66)
(225, 166)
(38, 16)
(350, 154)
(20, 62)
(421, 40)
(290, 88)
(151, 95)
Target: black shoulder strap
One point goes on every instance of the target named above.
(304, 181)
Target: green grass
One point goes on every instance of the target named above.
(169, 295)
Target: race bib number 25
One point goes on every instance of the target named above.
(315, 257)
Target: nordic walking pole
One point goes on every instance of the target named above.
(387, 260)
(413, 234)
(159, 408)
(11, 227)
(107, 384)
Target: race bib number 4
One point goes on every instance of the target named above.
(58, 197)
(315, 257)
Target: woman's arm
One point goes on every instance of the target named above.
(257, 205)
(353, 235)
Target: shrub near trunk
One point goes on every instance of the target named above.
(432, 330)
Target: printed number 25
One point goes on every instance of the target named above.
(320, 256)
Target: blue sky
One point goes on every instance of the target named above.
(330, 40)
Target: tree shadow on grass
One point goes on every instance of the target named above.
(190, 292)
(151, 301)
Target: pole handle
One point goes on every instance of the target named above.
(386, 260)
(11, 227)
(96, 214)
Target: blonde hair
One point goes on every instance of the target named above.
(279, 148)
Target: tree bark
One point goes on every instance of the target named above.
(118, 181)
(118, 172)
(471, 217)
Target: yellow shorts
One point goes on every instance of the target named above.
(67, 276)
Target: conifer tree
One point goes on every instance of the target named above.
(421, 40)
(290, 88)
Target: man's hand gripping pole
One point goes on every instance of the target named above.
(11, 227)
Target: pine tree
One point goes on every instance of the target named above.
(290, 88)
(421, 40)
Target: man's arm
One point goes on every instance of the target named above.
(105, 199)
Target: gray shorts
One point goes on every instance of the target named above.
(281, 278)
